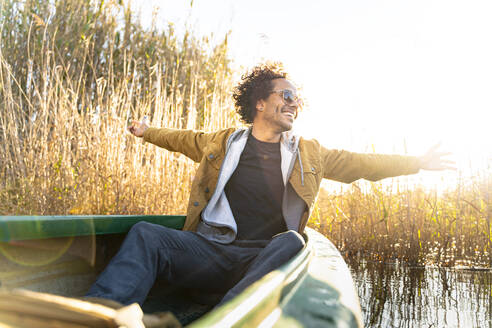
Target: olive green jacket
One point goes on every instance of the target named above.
(304, 164)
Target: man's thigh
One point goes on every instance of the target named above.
(189, 260)
(278, 251)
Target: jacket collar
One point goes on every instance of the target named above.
(289, 143)
(288, 138)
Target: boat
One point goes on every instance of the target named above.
(49, 262)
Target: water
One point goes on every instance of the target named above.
(393, 295)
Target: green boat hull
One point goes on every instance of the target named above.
(63, 255)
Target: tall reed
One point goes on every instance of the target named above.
(72, 75)
(394, 222)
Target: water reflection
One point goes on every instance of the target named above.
(393, 295)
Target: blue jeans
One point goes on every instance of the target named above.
(186, 259)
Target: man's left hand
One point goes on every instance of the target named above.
(433, 160)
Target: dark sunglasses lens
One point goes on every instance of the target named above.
(288, 96)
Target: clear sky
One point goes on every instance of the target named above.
(390, 76)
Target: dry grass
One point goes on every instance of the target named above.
(389, 223)
(70, 82)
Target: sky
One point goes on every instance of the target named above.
(378, 76)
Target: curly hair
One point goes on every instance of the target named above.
(255, 85)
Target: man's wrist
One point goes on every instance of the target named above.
(147, 133)
(420, 162)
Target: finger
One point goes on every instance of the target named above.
(437, 145)
(447, 164)
(441, 168)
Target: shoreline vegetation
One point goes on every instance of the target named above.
(393, 223)
(74, 73)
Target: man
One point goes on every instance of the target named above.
(252, 196)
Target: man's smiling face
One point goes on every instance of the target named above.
(276, 112)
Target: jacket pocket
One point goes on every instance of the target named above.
(308, 181)
(214, 156)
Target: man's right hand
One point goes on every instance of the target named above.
(138, 128)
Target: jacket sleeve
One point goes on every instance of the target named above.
(344, 166)
(187, 142)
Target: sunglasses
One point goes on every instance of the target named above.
(289, 97)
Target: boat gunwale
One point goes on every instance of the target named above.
(18, 228)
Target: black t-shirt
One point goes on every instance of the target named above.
(255, 191)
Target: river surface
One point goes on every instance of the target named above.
(393, 295)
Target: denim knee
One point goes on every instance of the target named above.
(144, 234)
(291, 239)
(142, 229)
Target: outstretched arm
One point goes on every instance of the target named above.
(187, 142)
(347, 166)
